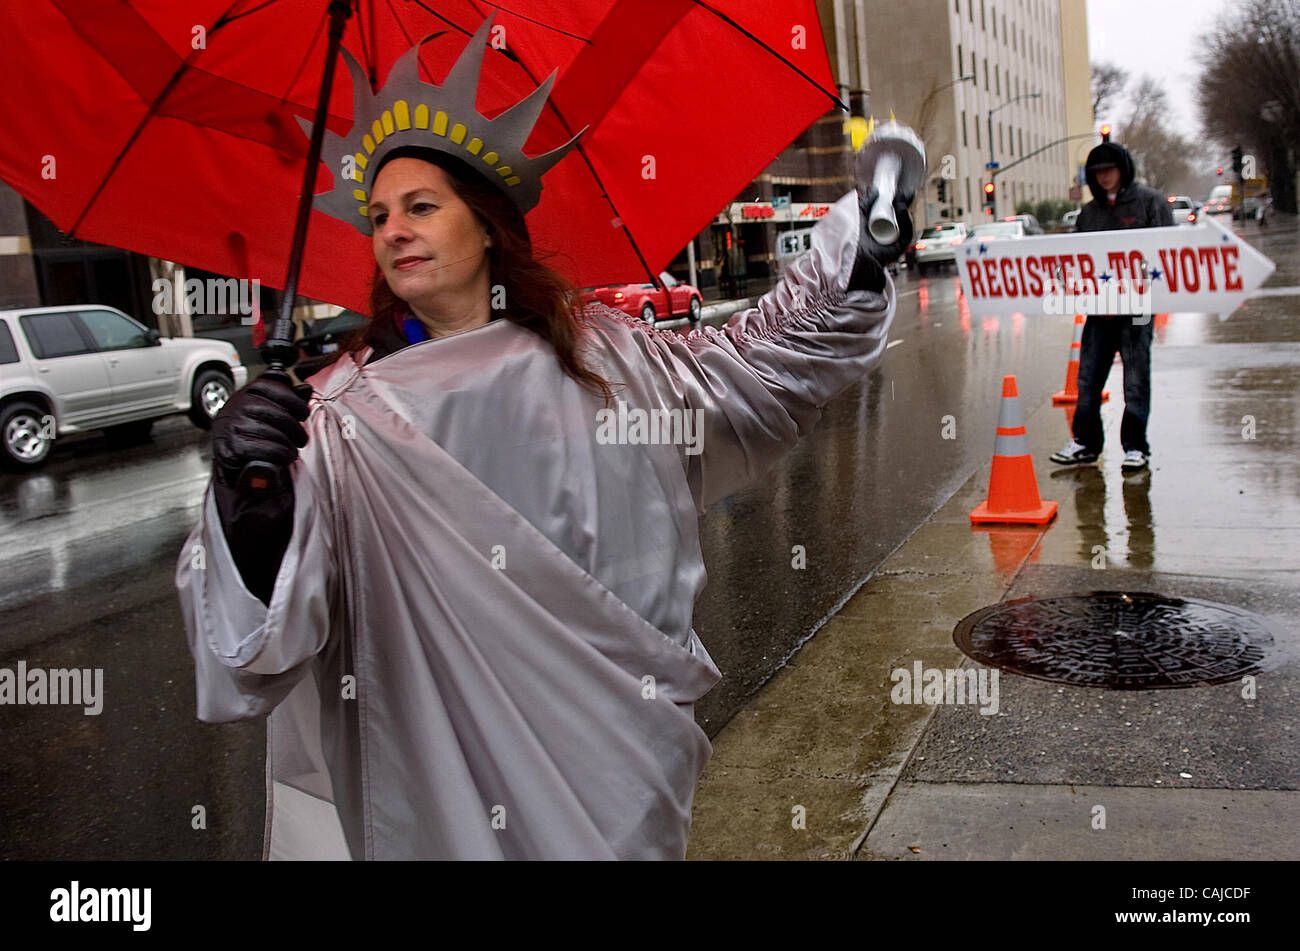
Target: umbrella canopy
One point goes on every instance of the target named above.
(169, 129)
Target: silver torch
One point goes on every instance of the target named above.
(893, 160)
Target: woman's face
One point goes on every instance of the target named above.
(430, 246)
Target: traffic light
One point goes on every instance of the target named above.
(989, 190)
(943, 191)
(1236, 161)
(1105, 133)
(1219, 170)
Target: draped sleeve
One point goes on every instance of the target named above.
(249, 655)
(757, 384)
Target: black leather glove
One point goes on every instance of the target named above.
(869, 268)
(260, 423)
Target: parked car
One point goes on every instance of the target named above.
(998, 231)
(648, 301)
(1029, 222)
(1184, 209)
(320, 340)
(938, 246)
(84, 367)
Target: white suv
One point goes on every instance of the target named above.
(82, 367)
(938, 245)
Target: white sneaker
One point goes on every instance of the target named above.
(1074, 454)
(1135, 460)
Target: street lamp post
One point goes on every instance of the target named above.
(992, 159)
(934, 92)
(962, 79)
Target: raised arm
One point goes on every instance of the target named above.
(759, 383)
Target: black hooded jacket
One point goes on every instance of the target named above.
(1136, 206)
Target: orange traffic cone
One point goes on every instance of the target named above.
(1071, 392)
(1013, 489)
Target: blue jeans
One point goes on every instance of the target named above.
(1102, 336)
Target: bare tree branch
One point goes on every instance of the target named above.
(1108, 81)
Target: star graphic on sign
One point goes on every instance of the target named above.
(984, 249)
(1106, 276)
(1155, 273)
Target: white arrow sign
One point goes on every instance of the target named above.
(1204, 268)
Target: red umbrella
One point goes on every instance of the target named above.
(169, 129)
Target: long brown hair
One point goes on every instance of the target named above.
(536, 297)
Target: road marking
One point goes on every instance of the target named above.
(1277, 292)
(916, 290)
(892, 344)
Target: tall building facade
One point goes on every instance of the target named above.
(984, 82)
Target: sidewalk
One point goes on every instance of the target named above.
(1193, 773)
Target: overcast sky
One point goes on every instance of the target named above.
(1158, 37)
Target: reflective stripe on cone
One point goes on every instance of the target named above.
(1013, 488)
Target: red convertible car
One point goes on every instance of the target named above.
(648, 301)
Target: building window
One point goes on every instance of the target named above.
(983, 25)
(965, 142)
(1004, 29)
(961, 60)
(1000, 148)
(968, 204)
(977, 136)
(972, 61)
(995, 23)
(1022, 141)
(986, 74)
(970, 10)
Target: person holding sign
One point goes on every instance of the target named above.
(1118, 203)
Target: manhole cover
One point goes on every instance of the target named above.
(1118, 640)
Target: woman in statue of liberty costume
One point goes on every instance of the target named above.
(467, 610)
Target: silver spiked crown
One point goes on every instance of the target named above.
(407, 111)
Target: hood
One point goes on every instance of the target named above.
(1109, 152)
(198, 343)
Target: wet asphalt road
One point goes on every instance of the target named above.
(90, 544)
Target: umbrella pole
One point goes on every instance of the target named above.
(258, 478)
(279, 351)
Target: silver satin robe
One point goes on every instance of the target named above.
(479, 642)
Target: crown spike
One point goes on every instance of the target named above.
(360, 82)
(405, 70)
(461, 83)
(524, 113)
(544, 163)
